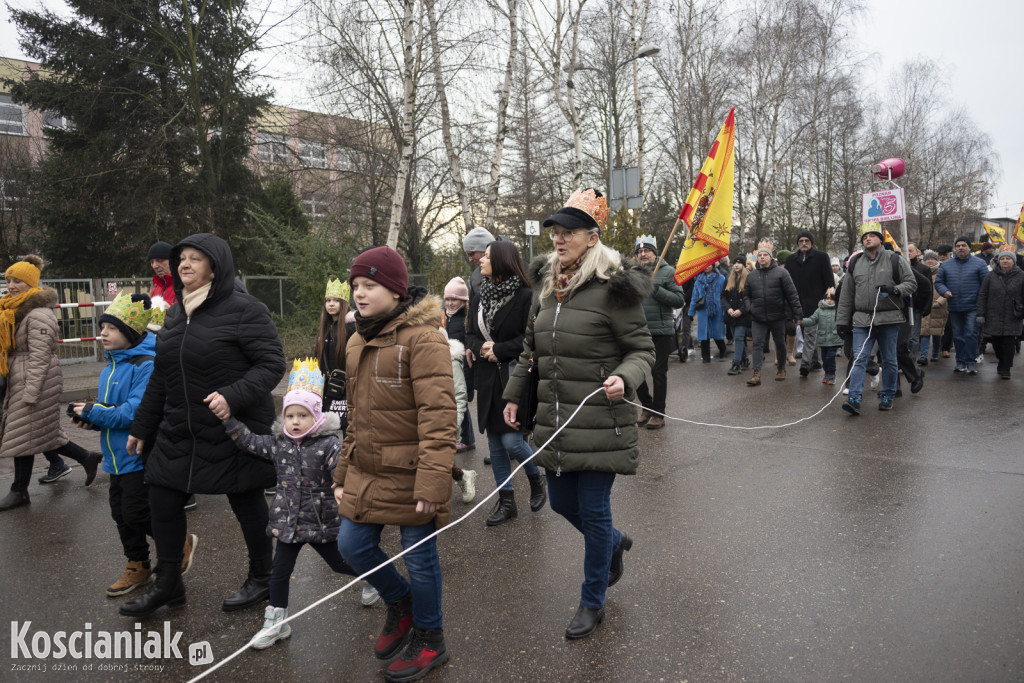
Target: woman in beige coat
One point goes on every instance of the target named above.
(933, 324)
(31, 370)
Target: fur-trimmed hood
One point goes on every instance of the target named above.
(45, 299)
(629, 285)
(428, 311)
(331, 424)
(458, 350)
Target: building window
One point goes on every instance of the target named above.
(312, 154)
(314, 207)
(12, 117)
(52, 119)
(348, 159)
(12, 193)
(271, 148)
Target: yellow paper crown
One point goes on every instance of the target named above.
(589, 203)
(134, 314)
(305, 376)
(157, 313)
(338, 289)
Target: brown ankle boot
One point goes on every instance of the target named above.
(136, 574)
(781, 374)
(755, 379)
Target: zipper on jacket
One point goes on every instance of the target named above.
(106, 397)
(611, 411)
(554, 384)
(188, 408)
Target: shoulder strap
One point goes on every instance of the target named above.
(139, 360)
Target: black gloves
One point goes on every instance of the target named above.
(886, 289)
(844, 331)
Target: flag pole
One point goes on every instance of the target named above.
(665, 248)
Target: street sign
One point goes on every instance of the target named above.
(625, 183)
(533, 228)
(884, 205)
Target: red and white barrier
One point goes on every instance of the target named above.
(87, 304)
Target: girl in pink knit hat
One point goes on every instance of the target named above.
(456, 305)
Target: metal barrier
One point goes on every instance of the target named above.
(277, 292)
(76, 322)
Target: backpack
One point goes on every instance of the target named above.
(922, 297)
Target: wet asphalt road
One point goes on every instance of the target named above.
(888, 547)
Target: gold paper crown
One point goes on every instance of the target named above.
(134, 314)
(765, 245)
(589, 203)
(305, 376)
(157, 313)
(338, 289)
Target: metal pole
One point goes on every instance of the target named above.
(531, 247)
(611, 130)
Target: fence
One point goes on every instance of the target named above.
(76, 322)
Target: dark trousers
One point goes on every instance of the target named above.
(22, 472)
(947, 336)
(659, 376)
(705, 348)
(467, 437)
(777, 329)
(284, 564)
(906, 357)
(129, 506)
(1005, 348)
(167, 512)
(828, 359)
(69, 450)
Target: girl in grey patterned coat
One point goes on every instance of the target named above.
(304, 448)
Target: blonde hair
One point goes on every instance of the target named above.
(600, 262)
(737, 280)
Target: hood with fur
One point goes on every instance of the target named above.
(427, 311)
(45, 299)
(332, 423)
(628, 285)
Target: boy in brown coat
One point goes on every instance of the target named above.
(396, 461)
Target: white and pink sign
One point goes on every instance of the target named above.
(884, 205)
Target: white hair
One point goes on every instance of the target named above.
(600, 262)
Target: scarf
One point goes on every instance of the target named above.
(370, 326)
(563, 275)
(8, 308)
(190, 300)
(495, 295)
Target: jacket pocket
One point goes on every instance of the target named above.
(404, 456)
(388, 366)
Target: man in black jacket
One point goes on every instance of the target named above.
(811, 271)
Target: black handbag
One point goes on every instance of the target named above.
(528, 399)
(334, 385)
(701, 302)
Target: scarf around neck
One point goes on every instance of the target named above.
(564, 275)
(190, 300)
(495, 295)
(9, 306)
(370, 326)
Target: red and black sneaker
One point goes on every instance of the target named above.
(426, 651)
(397, 627)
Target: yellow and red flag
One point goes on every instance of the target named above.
(1018, 230)
(995, 234)
(707, 212)
(892, 240)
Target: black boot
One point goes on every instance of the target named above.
(504, 510)
(426, 651)
(166, 590)
(90, 463)
(14, 499)
(734, 369)
(255, 590)
(584, 623)
(538, 494)
(616, 569)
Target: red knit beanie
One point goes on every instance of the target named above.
(383, 265)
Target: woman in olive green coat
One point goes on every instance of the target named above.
(589, 332)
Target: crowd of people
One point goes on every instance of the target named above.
(369, 427)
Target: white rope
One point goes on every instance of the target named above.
(839, 391)
(391, 560)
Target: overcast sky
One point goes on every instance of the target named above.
(977, 43)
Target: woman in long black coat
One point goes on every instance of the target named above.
(497, 322)
(218, 346)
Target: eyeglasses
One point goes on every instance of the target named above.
(564, 235)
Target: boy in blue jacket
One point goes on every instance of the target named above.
(130, 351)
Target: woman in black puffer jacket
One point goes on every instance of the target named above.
(218, 345)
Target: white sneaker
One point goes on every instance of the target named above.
(273, 630)
(370, 595)
(468, 485)
(876, 380)
(846, 391)
(980, 358)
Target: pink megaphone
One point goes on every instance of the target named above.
(887, 169)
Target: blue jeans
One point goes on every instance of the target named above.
(503, 448)
(584, 498)
(965, 337)
(886, 336)
(359, 544)
(926, 345)
(739, 343)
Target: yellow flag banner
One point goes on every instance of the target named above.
(707, 212)
(1018, 230)
(892, 240)
(995, 233)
